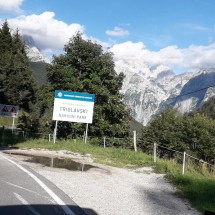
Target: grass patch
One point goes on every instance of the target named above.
(198, 187)
(117, 157)
(7, 121)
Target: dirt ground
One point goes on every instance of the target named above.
(111, 191)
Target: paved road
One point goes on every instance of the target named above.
(23, 191)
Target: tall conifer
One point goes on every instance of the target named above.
(17, 86)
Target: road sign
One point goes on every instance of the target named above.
(73, 106)
(9, 110)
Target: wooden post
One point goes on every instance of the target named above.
(104, 143)
(184, 163)
(155, 152)
(13, 124)
(135, 141)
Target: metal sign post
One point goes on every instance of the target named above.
(86, 132)
(13, 124)
(55, 132)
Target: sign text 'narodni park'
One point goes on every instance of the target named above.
(73, 106)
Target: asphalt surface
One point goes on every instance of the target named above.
(25, 192)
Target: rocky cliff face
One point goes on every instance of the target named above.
(149, 90)
(196, 91)
(33, 52)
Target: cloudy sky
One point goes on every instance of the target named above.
(177, 33)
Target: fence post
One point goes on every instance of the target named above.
(135, 141)
(49, 137)
(104, 143)
(84, 137)
(184, 163)
(155, 152)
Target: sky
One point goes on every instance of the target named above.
(177, 33)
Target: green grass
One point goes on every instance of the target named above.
(197, 186)
(7, 121)
(117, 157)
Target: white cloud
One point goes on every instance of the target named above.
(47, 32)
(199, 56)
(117, 32)
(51, 35)
(172, 56)
(127, 50)
(11, 5)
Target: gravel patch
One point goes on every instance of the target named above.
(115, 191)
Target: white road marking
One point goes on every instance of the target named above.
(24, 202)
(47, 189)
(30, 191)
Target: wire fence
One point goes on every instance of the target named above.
(188, 162)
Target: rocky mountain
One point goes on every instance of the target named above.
(149, 90)
(38, 61)
(33, 52)
(196, 91)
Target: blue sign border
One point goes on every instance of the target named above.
(60, 94)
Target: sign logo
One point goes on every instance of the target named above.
(60, 94)
(73, 106)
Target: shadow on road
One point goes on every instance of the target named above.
(44, 210)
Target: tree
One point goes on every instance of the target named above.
(167, 130)
(17, 84)
(191, 133)
(200, 137)
(6, 43)
(208, 108)
(85, 67)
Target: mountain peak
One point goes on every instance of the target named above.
(33, 52)
(148, 90)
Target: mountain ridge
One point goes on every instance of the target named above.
(147, 90)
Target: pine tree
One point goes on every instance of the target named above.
(6, 43)
(86, 68)
(17, 86)
(20, 87)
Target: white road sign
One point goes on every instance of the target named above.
(9, 110)
(73, 106)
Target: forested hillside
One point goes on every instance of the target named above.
(39, 72)
(84, 67)
(193, 133)
(208, 108)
